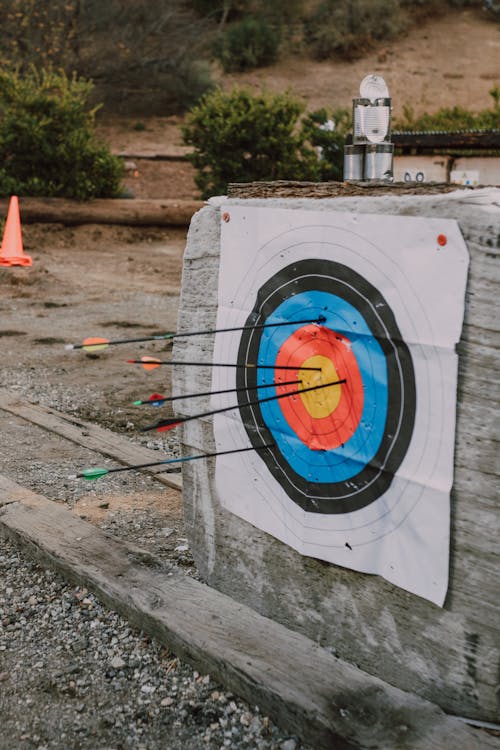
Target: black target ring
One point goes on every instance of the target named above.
(375, 477)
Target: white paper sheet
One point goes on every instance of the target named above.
(392, 289)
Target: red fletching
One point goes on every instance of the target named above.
(168, 424)
(156, 397)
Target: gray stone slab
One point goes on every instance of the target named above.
(451, 655)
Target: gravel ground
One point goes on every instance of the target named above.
(74, 675)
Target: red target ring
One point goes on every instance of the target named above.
(325, 418)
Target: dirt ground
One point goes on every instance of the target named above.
(117, 282)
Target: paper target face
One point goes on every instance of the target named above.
(335, 449)
(361, 313)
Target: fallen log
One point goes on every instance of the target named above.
(135, 212)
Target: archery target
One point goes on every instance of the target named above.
(341, 452)
(357, 469)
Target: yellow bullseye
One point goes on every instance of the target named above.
(324, 401)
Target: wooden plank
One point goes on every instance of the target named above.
(90, 436)
(294, 189)
(135, 212)
(465, 139)
(325, 700)
(175, 153)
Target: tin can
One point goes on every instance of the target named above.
(353, 163)
(379, 162)
(371, 120)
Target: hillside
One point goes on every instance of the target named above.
(452, 60)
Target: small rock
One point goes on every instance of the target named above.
(290, 744)
(117, 662)
(167, 702)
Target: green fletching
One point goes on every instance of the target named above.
(137, 403)
(91, 474)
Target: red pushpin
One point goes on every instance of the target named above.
(442, 240)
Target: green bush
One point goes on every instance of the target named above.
(47, 141)
(327, 131)
(348, 27)
(453, 119)
(250, 43)
(239, 137)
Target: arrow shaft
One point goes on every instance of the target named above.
(205, 332)
(241, 406)
(178, 460)
(180, 334)
(249, 365)
(214, 393)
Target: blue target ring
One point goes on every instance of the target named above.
(355, 474)
(343, 462)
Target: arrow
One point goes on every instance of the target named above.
(163, 425)
(156, 399)
(97, 473)
(97, 344)
(149, 363)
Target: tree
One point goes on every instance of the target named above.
(142, 56)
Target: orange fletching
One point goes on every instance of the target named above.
(150, 363)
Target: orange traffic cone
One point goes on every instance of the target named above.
(12, 252)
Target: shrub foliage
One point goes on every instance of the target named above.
(47, 141)
(250, 43)
(327, 131)
(239, 137)
(348, 27)
(143, 56)
(453, 118)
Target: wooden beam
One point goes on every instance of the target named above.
(90, 436)
(175, 153)
(477, 140)
(134, 212)
(326, 701)
(292, 189)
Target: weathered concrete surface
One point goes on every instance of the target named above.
(451, 655)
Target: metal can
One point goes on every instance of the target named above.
(378, 163)
(371, 120)
(353, 163)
